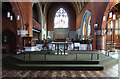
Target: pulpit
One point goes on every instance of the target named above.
(27, 41)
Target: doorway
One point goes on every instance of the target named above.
(9, 41)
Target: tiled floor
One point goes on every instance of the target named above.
(110, 72)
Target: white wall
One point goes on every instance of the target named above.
(79, 33)
(58, 33)
(72, 34)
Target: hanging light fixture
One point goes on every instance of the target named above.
(95, 26)
(18, 17)
(11, 17)
(8, 14)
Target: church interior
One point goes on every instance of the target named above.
(60, 39)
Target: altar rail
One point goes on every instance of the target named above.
(38, 47)
(45, 54)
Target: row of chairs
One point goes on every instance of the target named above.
(111, 48)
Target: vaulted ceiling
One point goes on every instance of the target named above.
(78, 6)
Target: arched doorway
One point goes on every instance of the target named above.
(9, 41)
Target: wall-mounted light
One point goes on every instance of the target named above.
(11, 17)
(8, 14)
(104, 18)
(114, 16)
(110, 15)
(18, 17)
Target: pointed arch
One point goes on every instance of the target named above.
(40, 18)
(7, 41)
(37, 12)
(85, 25)
(61, 19)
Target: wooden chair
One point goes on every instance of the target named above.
(76, 45)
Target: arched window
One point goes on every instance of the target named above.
(61, 19)
(85, 25)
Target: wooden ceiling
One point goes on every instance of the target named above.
(116, 8)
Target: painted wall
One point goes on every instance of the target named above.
(53, 9)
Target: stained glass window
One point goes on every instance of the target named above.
(61, 19)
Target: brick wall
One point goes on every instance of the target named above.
(9, 26)
(97, 12)
(24, 9)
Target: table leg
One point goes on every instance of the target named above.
(64, 49)
(55, 46)
(24, 56)
(29, 56)
(97, 56)
(108, 54)
(91, 56)
(57, 49)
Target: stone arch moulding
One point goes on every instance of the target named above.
(86, 16)
(39, 11)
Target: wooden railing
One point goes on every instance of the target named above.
(36, 25)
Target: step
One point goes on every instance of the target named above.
(12, 59)
(51, 65)
(58, 67)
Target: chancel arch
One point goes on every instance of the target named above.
(85, 25)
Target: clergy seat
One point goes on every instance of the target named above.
(76, 46)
